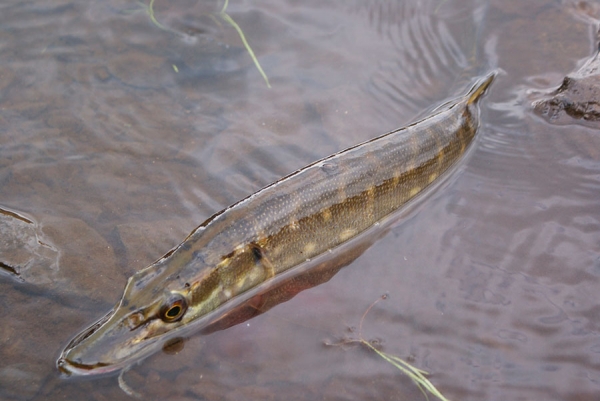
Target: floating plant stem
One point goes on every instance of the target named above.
(231, 22)
(415, 374)
(150, 10)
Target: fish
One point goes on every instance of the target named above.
(262, 241)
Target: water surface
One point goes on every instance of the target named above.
(119, 135)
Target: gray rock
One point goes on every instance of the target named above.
(577, 100)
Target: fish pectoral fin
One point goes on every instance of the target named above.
(261, 258)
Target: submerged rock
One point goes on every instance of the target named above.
(577, 100)
(25, 253)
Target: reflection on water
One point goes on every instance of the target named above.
(432, 43)
(116, 156)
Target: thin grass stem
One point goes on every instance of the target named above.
(415, 374)
(231, 22)
(150, 10)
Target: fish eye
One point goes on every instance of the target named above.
(173, 309)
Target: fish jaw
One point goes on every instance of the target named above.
(107, 346)
(137, 326)
(129, 332)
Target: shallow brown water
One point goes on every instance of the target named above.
(109, 157)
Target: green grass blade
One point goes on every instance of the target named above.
(415, 374)
(231, 22)
(150, 11)
(223, 10)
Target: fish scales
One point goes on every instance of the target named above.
(334, 207)
(314, 206)
(295, 219)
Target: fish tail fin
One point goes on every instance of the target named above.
(480, 87)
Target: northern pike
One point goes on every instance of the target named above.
(268, 234)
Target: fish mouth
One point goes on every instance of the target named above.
(69, 368)
(78, 339)
(68, 365)
(105, 347)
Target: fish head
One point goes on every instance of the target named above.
(171, 297)
(154, 305)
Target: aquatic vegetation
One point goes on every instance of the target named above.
(149, 9)
(415, 374)
(231, 22)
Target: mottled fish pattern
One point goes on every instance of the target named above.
(285, 224)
